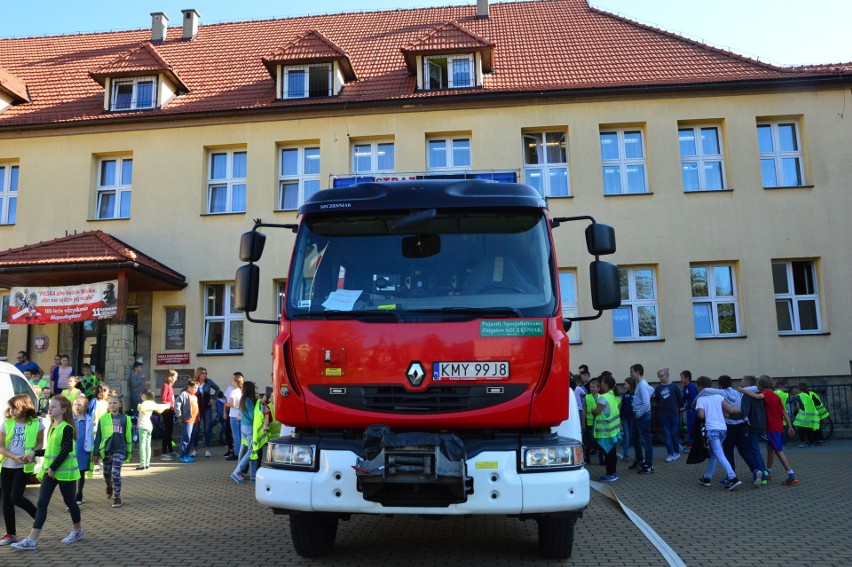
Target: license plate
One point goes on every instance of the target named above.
(471, 370)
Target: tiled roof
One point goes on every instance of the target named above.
(84, 249)
(12, 85)
(448, 38)
(142, 60)
(540, 46)
(310, 46)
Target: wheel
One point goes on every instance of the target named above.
(313, 533)
(827, 427)
(556, 536)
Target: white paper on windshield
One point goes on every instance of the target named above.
(342, 299)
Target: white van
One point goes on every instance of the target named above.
(12, 383)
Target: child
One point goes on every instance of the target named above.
(776, 418)
(247, 403)
(186, 412)
(146, 428)
(589, 404)
(21, 433)
(626, 414)
(806, 417)
(710, 411)
(38, 384)
(98, 408)
(607, 425)
(84, 444)
(60, 469)
(113, 444)
(167, 396)
(71, 392)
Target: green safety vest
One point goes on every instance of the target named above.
(68, 470)
(608, 424)
(274, 427)
(783, 395)
(821, 410)
(41, 384)
(807, 417)
(30, 439)
(105, 426)
(259, 434)
(71, 395)
(590, 405)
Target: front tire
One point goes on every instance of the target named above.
(556, 536)
(313, 533)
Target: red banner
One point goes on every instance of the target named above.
(172, 358)
(68, 304)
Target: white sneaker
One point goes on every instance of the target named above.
(194, 453)
(676, 456)
(670, 458)
(165, 457)
(207, 453)
(26, 544)
(8, 539)
(73, 536)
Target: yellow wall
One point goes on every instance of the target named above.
(667, 229)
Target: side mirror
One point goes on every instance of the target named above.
(606, 288)
(246, 285)
(600, 239)
(251, 246)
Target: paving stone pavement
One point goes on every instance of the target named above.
(195, 515)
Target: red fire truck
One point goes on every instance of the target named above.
(421, 362)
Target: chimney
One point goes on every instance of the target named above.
(481, 8)
(190, 24)
(159, 25)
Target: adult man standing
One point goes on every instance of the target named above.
(24, 363)
(642, 411)
(137, 383)
(669, 401)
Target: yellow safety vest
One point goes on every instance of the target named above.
(783, 395)
(30, 439)
(608, 424)
(274, 427)
(590, 405)
(807, 417)
(259, 435)
(105, 426)
(68, 470)
(71, 395)
(821, 410)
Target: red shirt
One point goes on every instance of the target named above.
(168, 396)
(774, 412)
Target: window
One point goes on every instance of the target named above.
(448, 153)
(701, 162)
(372, 157)
(280, 297)
(448, 71)
(298, 176)
(226, 186)
(636, 319)
(796, 297)
(223, 325)
(307, 81)
(780, 154)
(623, 160)
(546, 163)
(568, 293)
(114, 179)
(8, 194)
(135, 93)
(714, 300)
(4, 325)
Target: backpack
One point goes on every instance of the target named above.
(755, 414)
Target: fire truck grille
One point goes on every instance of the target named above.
(434, 399)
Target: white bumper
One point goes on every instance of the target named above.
(498, 489)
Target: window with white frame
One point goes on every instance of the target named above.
(623, 160)
(636, 319)
(570, 306)
(546, 163)
(449, 71)
(372, 157)
(298, 176)
(226, 184)
(133, 93)
(796, 297)
(8, 193)
(714, 300)
(448, 153)
(4, 325)
(780, 154)
(307, 81)
(223, 324)
(702, 163)
(280, 298)
(115, 176)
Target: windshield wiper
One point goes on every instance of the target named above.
(370, 315)
(474, 311)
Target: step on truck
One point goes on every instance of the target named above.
(421, 362)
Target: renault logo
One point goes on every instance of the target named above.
(415, 373)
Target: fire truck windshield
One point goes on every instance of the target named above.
(423, 266)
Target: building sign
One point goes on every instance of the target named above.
(175, 328)
(67, 304)
(172, 358)
(499, 176)
(41, 343)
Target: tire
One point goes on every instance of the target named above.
(313, 533)
(556, 536)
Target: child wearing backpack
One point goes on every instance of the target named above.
(113, 445)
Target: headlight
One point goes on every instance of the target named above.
(556, 457)
(302, 456)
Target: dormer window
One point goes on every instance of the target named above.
(307, 81)
(134, 93)
(449, 71)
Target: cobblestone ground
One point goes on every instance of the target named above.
(195, 515)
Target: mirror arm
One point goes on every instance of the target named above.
(586, 317)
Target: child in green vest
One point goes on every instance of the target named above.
(71, 392)
(113, 445)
